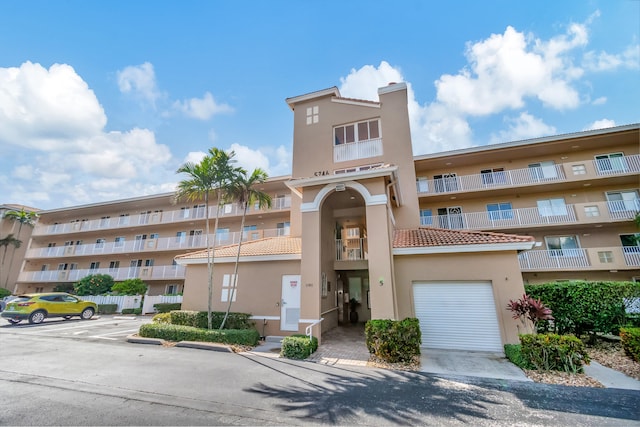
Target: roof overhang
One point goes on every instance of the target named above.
(332, 91)
(449, 249)
(232, 259)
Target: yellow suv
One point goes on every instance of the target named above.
(37, 307)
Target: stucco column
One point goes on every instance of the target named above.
(381, 282)
(310, 267)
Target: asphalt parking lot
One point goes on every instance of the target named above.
(100, 327)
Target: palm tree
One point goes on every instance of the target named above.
(23, 218)
(5, 243)
(211, 175)
(243, 192)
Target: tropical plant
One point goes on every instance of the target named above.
(93, 284)
(10, 240)
(211, 176)
(22, 217)
(130, 287)
(244, 192)
(529, 311)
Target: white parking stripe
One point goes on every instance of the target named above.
(79, 326)
(116, 333)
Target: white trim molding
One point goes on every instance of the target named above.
(495, 247)
(369, 199)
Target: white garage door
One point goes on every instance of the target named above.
(457, 315)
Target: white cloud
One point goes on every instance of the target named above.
(601, 124)
(140, 81)
(201, 108)
(603, 61)
(599, 101)
(71, 159)
(194, 157)
(525, 126)
(364, 83)
(248, 158)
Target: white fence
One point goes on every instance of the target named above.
(133, 301)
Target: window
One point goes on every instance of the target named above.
(579, 169)
(229, 287)
(605, 257)
(423, 185)
(353, 232)
(148, 263)
(543, 170)
(426, 217)
(100, 243)
(623, 201)
(611, 163)
(104, 221)
(552, 207)
(119, 242)
(445, 182)
(124, 219)
(493, 176)
(171, 289)
(567, 246)
(185, 212)
(247, 232)
(313, 115)
(181, 236)
(630, 240)
(591, 211)
(199, 211)
(498, 211)
(450, 217)
(114, 265)
(222, 235)
(283, 228)
(94, 265)
(361, 131)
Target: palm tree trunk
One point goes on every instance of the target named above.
(210, 260)
(13, 254)
(235, 269)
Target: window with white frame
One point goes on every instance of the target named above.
(119, 242)
(94, 265)
(114, 265)
(355, 132)
(591, 211)
(229, 287)
(313, 115)
(426, 217)
(543, 170)
(222, 236)
(493, 176)
(100, 243)
(498, 211)
(567, 246)
(605, 257)
(283, 228)
(612, 162)
(624, 200)
(579, 169)
(552, 207)
(124, 219)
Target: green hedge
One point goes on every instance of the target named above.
(198, 319)
(630, 338)
(393, 340)
(551, 352)
(514, 354)
(131, 311)
(298, 346)
(165, 307)
(586, 307)
(107, 308)
(162, 318)
(188, 333)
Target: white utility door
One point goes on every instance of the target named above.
(457, 315)
(290, 303)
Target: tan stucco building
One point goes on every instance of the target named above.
(364, 225)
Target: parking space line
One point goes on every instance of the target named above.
(79, 326)
(116, 333)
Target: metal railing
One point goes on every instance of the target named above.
(357, 150)
(354, 249)
(158, 272)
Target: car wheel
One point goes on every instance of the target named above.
(13, 321)
(37, 317)
(87, 313)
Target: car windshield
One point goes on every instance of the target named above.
(21, 298)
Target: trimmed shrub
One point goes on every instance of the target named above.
(298, 346)
(4, 292)
(393, 340)
(630, 338)
(130, 287)
(162, 318)
(131, 311)
(198, 319)
(165, 307)
(586, 307)
(248, 337)
(64, 287)
(107, 308)
(514, 354)
(93, 284)
(551, 352)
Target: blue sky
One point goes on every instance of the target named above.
(105, 100)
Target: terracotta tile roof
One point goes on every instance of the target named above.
(425, 236)
(261, 247)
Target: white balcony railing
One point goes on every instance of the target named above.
(526, 176)
(527, 217)
(158, 272)
(357, 150)
(149, 218)
(354, 249)
(598, 258)
(631, 255)
(160, 244)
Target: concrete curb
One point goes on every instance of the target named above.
(142, 340)
(212, 346)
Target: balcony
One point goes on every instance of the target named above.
(354, 249)
(608, 258)
(164, 217)
(175, 243)
(357, 150)
(159, 272)
(564, 172)
(582, 213)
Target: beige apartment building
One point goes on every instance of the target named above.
(363, 226)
